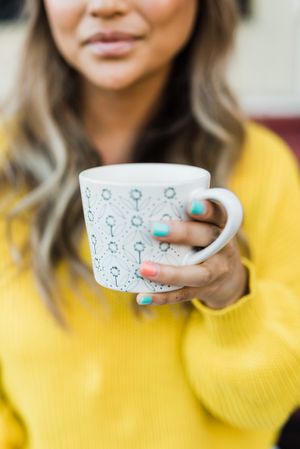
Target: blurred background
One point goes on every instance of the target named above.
(265, 73)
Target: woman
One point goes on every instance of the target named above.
(213, 365)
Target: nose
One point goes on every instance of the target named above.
(106, 8)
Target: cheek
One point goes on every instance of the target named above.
(64, 17)
(64, 14)
(162, 10)
(171, 22)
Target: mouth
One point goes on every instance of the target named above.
(112, 44)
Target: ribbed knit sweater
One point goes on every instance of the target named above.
(209, 379)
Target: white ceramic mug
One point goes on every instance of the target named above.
(120, 204)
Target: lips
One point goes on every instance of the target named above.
(114, 36)
(112, 44)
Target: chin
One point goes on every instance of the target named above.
(112, 85)
(110, 80)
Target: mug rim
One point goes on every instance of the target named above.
(195, 174)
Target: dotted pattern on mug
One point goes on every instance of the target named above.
(113, 219)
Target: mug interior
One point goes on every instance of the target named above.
(145, 174)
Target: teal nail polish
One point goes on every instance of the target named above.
(160, 230)
(145, 300)
(197, 208)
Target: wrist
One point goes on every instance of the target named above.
(239, 292)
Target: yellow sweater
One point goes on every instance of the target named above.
(208, 380)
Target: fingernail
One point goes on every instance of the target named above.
(197, 207)
(144, 300)
(160, 229)
(149, 269)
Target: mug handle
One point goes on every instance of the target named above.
(234, 210)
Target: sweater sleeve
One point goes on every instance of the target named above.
(12, 435)
(243, 362)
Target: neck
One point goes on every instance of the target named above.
(114, 118)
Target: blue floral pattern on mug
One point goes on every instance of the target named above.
(119, 231)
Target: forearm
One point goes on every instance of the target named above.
(251, 378)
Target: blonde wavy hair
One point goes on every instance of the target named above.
(199, 122)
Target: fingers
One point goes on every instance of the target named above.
(186, 232)
(209, 220)
(176, 296)
(208, 211)
(216, 281)
(199, 275)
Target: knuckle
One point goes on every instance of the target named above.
(180, 295)
(207, 275)
(198, 232)
(170, 276)
(185, 230)
(225, 270)
(161, 299)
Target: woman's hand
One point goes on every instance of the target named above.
(219, 281)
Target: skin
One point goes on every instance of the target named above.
(118, 96)
(220, 281)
